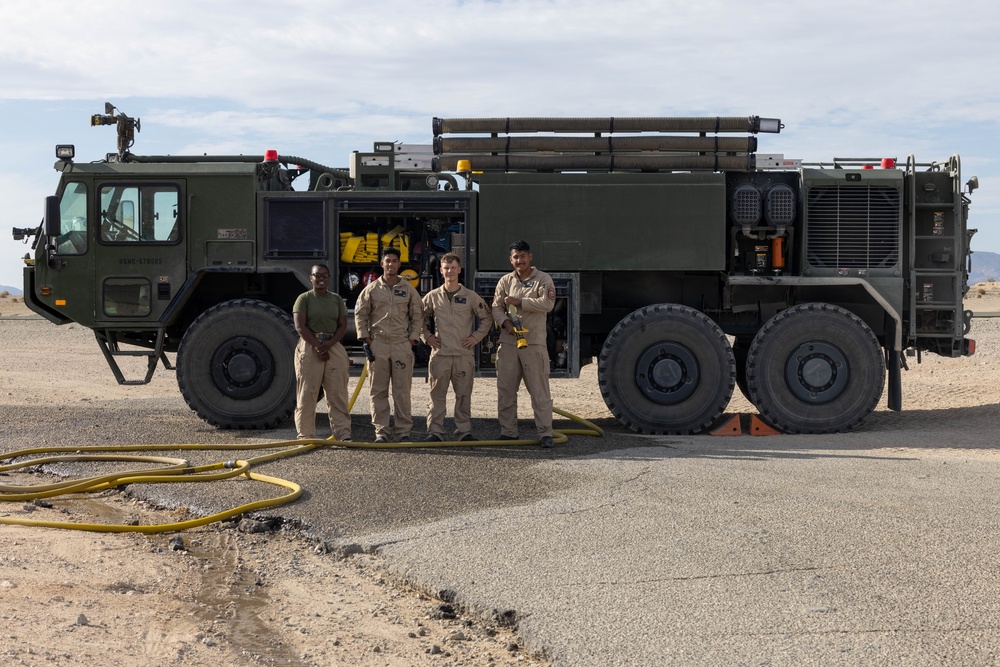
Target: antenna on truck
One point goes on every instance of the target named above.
(127, 127)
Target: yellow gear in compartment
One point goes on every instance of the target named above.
(411, 276)
(391, 234)
(351, 246)
(356, 249)
(402, 243)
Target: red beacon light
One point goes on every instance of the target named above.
(270, 155)
(888, 163)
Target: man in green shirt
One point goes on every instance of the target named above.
(320, 359)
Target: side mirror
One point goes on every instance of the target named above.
(53, 217)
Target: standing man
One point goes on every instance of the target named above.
(525, 295)
(388, 316)
(320, 318)
(452, 309)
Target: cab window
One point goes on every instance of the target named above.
(139, 214)
(72, 239)
(126, 297)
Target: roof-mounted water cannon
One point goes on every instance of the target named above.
(127, 127)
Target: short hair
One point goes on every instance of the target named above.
(519, 246)
(451, 257)
(390, 251)
(320, 266)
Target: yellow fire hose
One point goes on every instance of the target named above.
(179, 470)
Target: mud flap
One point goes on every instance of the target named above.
(894, 376)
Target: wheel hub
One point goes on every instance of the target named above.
(242, 368)
(667, 373)
(817, 372)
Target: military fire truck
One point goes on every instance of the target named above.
(686, 263)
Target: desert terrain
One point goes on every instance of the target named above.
(238, 593)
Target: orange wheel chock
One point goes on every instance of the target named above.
(730, 427)
(758, 427)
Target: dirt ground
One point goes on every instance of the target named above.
(218, 595)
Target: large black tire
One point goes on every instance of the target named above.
(235, 367)
(667, 369)
(815, 368)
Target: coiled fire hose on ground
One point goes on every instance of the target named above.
(174, 470)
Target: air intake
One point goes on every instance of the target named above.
(746, 205)
(780, 209)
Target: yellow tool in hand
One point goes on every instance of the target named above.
(519, 329)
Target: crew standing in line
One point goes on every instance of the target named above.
(320, 318)
(388, 316)
(528, 294)
(453, 309)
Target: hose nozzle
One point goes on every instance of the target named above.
(519, 336)
(519, 329)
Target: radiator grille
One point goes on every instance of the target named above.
(853, 226)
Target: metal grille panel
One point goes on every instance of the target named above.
(746, 205)
(780, 205)
(853, 226)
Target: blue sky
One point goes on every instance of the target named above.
(320, 79)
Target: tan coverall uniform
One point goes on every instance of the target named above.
(392, 316)
(538, 297)
(453, 318)
(311, 372)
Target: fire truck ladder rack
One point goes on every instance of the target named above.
(641, 144)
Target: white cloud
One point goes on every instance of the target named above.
(856, 77)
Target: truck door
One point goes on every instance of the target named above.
(64, 282)
(139, 258)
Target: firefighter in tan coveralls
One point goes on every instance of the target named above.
(452, 309)
(532, 294)
(388, 316)
(320, 318)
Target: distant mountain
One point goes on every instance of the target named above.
(985, 266)
(14, 291)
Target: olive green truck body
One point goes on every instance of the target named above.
(685, 267)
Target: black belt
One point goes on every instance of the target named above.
(322, 337)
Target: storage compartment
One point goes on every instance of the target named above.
(605, 222)
(422, 229)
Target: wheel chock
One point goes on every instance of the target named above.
(731, 427)
(758, 427)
